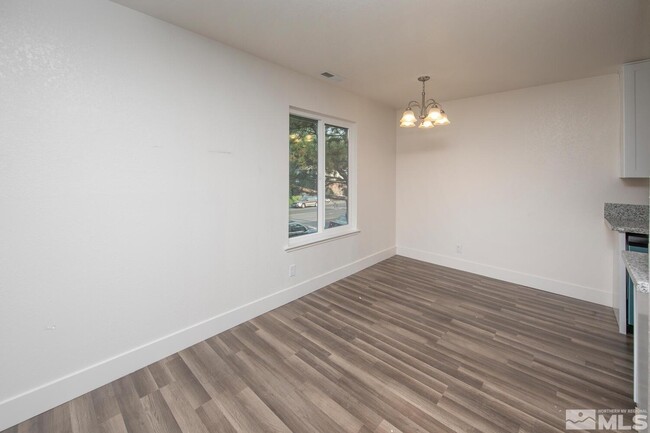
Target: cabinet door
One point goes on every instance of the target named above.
(635, 140)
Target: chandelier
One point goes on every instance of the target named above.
(431, 113)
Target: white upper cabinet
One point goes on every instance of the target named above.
(635, 118)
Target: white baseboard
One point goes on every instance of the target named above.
(35, 401)
(549, 285)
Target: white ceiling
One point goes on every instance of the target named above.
(468, 47)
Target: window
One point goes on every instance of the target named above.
(321, 178)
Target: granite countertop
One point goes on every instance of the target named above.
(627, 218)
(637, 267)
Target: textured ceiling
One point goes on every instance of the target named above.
(468, 47)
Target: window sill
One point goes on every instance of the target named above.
(306, 243)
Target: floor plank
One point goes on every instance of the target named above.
(403, 346)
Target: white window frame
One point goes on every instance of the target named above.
(323, 234)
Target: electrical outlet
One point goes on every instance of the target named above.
(459, 249)
(50, 326)
(292, 270)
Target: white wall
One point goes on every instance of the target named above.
(143, 194)
(519, 179)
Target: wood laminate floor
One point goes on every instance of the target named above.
(403, 346)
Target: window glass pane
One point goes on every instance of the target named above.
(336, 176)
(303, 176)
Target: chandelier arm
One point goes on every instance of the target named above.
(431, 102)
(413, 104)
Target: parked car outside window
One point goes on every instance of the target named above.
(307, 201)
(297, 229)
(340, 221)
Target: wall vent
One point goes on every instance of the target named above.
(331, 76)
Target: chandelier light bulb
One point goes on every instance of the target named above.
(442, 120)
(408, 117)
(426, 123)
(434, 114)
